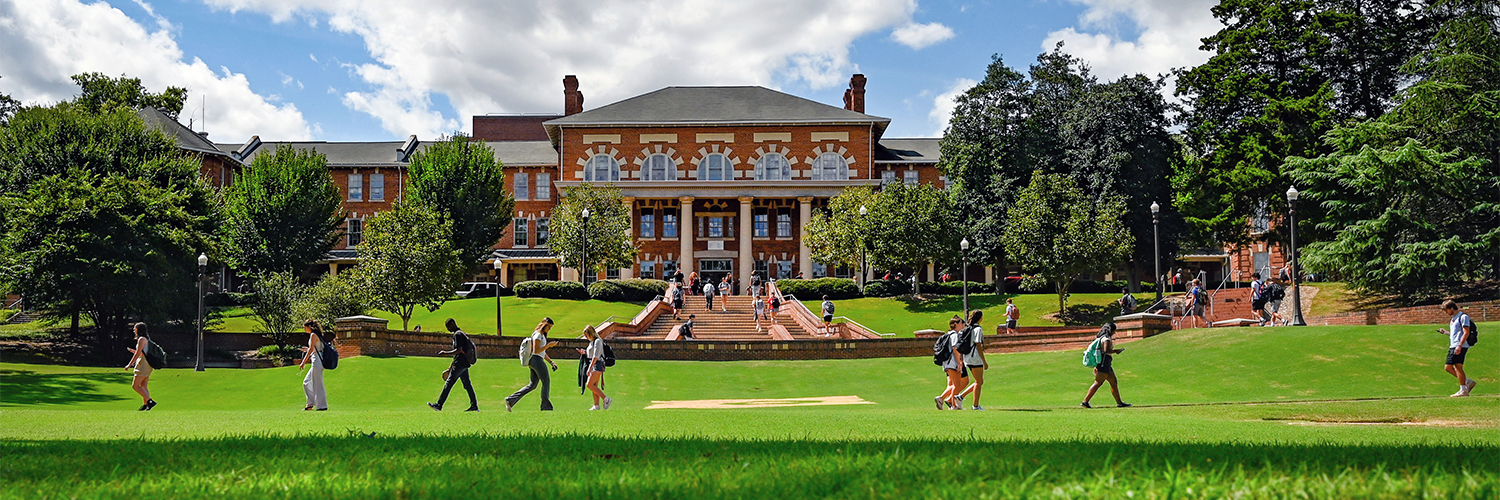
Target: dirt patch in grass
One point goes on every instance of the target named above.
(1377, 421)
(703, 404)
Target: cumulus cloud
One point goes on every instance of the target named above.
(943, 104)
(1170, 32)
(47, 41)
(508, 57)
(921, 36)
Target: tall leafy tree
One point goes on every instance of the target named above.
(1058, 234)
(103, 94)
(910, 226)
(277, 295)
(607, 237)
(282, 212)
(984, 156)
(839, 236)
(459, 178)
(1414, 195)
(408, 260)
(8, 107)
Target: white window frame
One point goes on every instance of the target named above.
(543, 186)
(910, 177)
(706, 169)
(659, 167)
(773, 167)
(377, 187)
(356, 187)
(648, 223)
(543, 231)
(521, 186)
(354, 232)
(830, 167)
(521, 227)
(887, 177)
(597, 164)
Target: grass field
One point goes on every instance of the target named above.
(478, 315)
(904, 316)
(1316, 412)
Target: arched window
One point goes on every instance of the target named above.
(773, 167)
(715, 167)
(659, 167)
(830, 167)
(601, 168)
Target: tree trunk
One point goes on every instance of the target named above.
(75, 322)
(1133, 278)
(1062, 297)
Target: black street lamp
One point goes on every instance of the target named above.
(864, 272)
(1156, 241)
(585, 266)
(964, 245)
(1291, 199)
(202, 271)
(499, 330)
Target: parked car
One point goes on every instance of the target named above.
(478, 289)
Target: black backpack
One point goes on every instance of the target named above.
(609, 355)
(1473, 333)
(966, 341)
(329, 355)
(1276, 292)
(155, 356)
(471, 351)
(941, 353)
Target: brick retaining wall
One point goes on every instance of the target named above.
(1419, 315)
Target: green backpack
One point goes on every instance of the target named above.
(1094, 354)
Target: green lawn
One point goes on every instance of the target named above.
(1338, 412)
(904, 316)
(478, 315)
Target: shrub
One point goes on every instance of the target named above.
(227, 299)
(815, 289)
(631, 290)
(570, 290)
(954, 288)
(280, 355)
(887, 288)
(332, 297)
(5, 314)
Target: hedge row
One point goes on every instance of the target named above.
(631, 290)
(815, 289)
(571, 290)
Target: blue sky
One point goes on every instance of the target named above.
(342, 70)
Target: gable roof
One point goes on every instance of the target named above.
(388, 153)
(186, 138)
(908, 150)
(715, 106)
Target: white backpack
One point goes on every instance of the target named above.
(526, 346)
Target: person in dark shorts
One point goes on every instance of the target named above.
(953, 368)
(1105, 372)
(595, 355)
(1258, 299)
(676, 299)
(459, 370)
(1460, 338)
(1012, 314)
(827, 317)
(686, 330)
(1197, 303)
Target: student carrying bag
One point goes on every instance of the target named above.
(155, 356)
(329, 355)
(941, 353)
(1094, 354)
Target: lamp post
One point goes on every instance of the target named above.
(1156, 242)
(499, 330)
(585, 264)
(1291, 200)
(864, 271)
(202, 269)
(964, 245)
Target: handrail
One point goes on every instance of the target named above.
(863, 327)
(15, 305)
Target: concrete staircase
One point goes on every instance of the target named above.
(24, 317)
(738, 323)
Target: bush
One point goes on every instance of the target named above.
(570, 290)
(954, 288)
(631, 290)
(227, 299)
(280, 355)
(815, 289)
(5, 314)
(332, 297)
(887, 288)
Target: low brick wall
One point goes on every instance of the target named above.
(1420, 315)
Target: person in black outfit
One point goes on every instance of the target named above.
(459, 370)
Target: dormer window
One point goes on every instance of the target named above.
(602, 168)
(659, 167)
(715, 167)
(773, 167)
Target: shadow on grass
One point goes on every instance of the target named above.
(951, 303)
(363, 465)
(25, 387)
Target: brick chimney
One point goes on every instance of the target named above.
(854, 97)
(572, 98)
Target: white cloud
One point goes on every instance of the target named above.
(921, 36)
(48, 41)
(487, 57)
(1170, 33)
(943, 104)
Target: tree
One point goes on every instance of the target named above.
(407, 259)
(277, 295)
(1413, 196)
(984, 156)
(1058, 234)
(839, 236)
(103, 216)
(8, 108)
(102, 94)
(282, 213)
(608, 237)
(332, 297)
(459, 179)
(910, 226)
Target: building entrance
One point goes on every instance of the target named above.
(715, 270)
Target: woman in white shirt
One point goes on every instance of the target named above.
(595, 354)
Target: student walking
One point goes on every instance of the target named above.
(1198, 303)
(676, 299)
(312, 384)
(1012, 315)
(775, 306)
(1127, 302)
(755, 284)
(694, 287)
(1104, 344)
(953, 366)
(974, 360)
(827, 317)
(1257, 299)
(142, 368)
(595, 354)
(1462, 334)
(708, 294)
(1275, 292)
(533, 354)
(760, 311)
(724, 289)
(463, 358)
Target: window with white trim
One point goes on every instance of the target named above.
(355, 231)
(356, 187)
(830, 167)
(543, 185)
(377, 187)
(762, 224)
(669, 223)
(784, 223)
(715, 167)
(909, 177)
(648, 270)
(659, 167)
(887, 177)
(773, 167)
(543, 231)
(648, 223)
(521, 230)
(521, 185)
(602, 168)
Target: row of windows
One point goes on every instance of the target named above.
(889, 176)
(521, 186)
(716, 167)
(522, 231)
(357, 187)
(716, 226)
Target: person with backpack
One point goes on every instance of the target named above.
(1258, 299)
(464, 356)
(827, 317)
(676, 294)
(1462, 335)
(1275, 293)
(945, 354)
(971, 345)
(760, 311)
(724, 289)
(312, 384)
(708, 294)
(140, 362)
(533, 355)
(1012, 315)
(1127, 302)
(775, 306)
(595, 354)
(1101, 351)
(1197, 303)
(686, 330)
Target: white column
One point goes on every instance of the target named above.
(627, 273)
(804, 254)
(931, 272)
(685, 228)
(989, 274)
(747, 262)
(568, 273)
